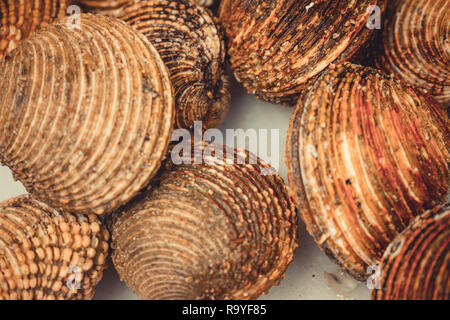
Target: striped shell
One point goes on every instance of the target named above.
(85, 115)
(47, 255)
(365, 155)
(416, 266)
(18, 19)
(193, 50)
(275, 47)
(207, 231)
(416, 46)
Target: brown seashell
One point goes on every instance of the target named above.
(365, 155)
(193, 50)
(276, 47)
(48, 255)
(85, 115)
(207, 231)
(416, 264)
(18, 19)
(416, 46)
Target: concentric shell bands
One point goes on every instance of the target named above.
(85, 115)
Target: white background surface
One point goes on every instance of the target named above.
(305, 277)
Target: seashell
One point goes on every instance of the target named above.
(18, 19)
(416, 47)
(85, 115)
(193, 50)
(416, 264)
(48, 255)
(276, 47)
(365, 155)
(214, 230)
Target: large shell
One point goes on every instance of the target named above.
(193, 49)
(85, 115)
(365, 155)
(276, 46)
(207, 231)
(18, 19)
(416, 266)
(416, 46)
(45, 254)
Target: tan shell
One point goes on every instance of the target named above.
(365, 155)
(49, 255)
(207, 231)
(187, 38)
(275, 47)
(416, 46)
(85, 115)
(18, 19)
(416, 266)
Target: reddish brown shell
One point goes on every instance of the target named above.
(366, 154)
(416, 265)
(275, 47)
(212, 230)
(85, 115)
(18, 19)
(416, 46)
(45, 254)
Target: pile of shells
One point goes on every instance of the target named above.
(416, 46)
(365, 155)
(49, 255)
(18, 19)
(276, 47)
(416, 266)
(207, 231)
(85, 114)
(193, 50)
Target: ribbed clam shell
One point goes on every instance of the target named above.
(85, 115)
(365, 155)
(207, 231)
(45, 254)
(18, 19)
(416, 265)
(193, 50)
(275, 47)
(416, 46)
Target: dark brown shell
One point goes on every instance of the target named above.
(45, 254)
(416, 265)
(18, 19)
(85, 115)
(416, 46)
(192, 47)
(276, 47)
(365, 155)
(207, 231)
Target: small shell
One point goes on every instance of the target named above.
(18, 19)
(85, 115)
(207, 231)
(416, 46)
(365, 155)
(276, 46)
(416, 265)
(193, 49)
(45, 254)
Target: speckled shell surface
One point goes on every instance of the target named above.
(48, 255)
(207, 231)
(18, 19)
(416, 46)
(85, 115)
(416, 266)
(365, 154)
(276, 47)
(192, 47)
